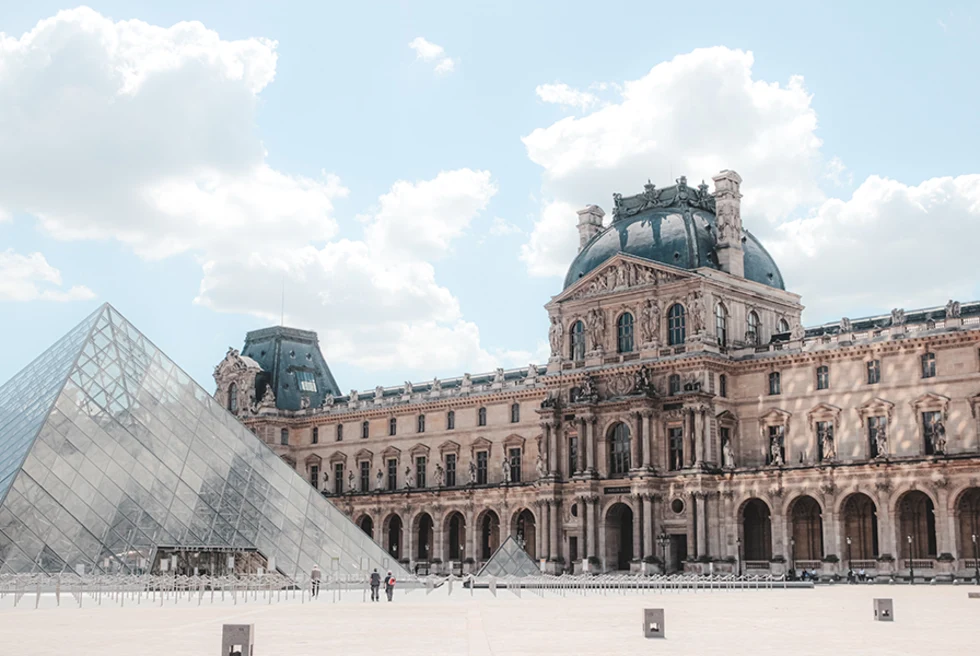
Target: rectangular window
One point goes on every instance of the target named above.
(515, 465)
(392, 426)
(874, 372)
(572, 454)
(338, 478)
(823, 377)
(365, 430)
(929, 365)
(420, 471)
(307, 381)
(481, 417)
(774, 387)
(392, 474)
(776, 443)
(481, 467)
(877, 426)
(515, 413)
(365, 476)
(450, 470)
(673, 384)
(340, 432)
(421, 424)
(450, 420)
(825, 435)
(284, 437)
(931, 427)
(723, 386)
(675, 444)
(315, 437)
(315, 476)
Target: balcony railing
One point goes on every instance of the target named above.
(919, 563)
(864, 563)
(806, 564)
(756, 565)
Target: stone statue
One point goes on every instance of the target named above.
(952, 309)
(555, 334)
(827, 446)
(350, 480)
(440, 475)
(326, 478)
(472, 473)
(498, 377)
(621, 276)
(696, 311)
(380, 478)
(650, 322)
(938, 436)
(798, 332)
(898, 317)
(505, 466)
(845, 325)
(728, 455)
(352, 399)
(328, 400)
(304, 402)
(597, 328)
(775, 452)
(550, 401)
(409, 479)
(408, 387)
(532, 373)
(881, 441)
(643, 383)
(467, 383)
(587, 391)
(539, 466)
(435, 388)
(268, 398)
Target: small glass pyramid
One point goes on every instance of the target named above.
(110, 455)
(509, 560)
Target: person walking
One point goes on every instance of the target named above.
(375, 584)
(389, 585)
(315, 582)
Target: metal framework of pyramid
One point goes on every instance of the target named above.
(109, 453)
(510, 559)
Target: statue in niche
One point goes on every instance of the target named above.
(938, 436)
(898, 317)
(827, 446)
(539, 466)
(350, 480)
(555, 334)
(775, 452)
(505, 466)
(650, 322)
(440, 475)
(409, 479)
(472, 473)
(845, 325)
(696, 311)
(881, 441)
(597, 328)
(952, 309)
(379, 477)
(728, 455)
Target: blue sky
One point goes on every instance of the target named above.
(419, 216)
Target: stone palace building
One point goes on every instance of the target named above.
(686, 420)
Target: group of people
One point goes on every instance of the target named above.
(389, 583)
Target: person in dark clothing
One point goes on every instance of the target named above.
(375, 584)
(389, 585)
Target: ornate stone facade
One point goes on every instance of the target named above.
(686, 419)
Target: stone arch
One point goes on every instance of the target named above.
(488, 533)
(916, 513)
(619, 525)
(524, 526)
(859, 521)
(967, 516)
(806, 528)
(454, 536)
(366, 524)
(755, 529)
(423, 534)
(618, 447)
(392, 530)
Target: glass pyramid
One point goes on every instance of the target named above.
(510, 559)
(109, 454)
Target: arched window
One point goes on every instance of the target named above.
(782, 326)
(624, 333)
(392, 426)
(315, 437)
(721, 324)
(450, 420)
(619, 450)
(577, 343)
(233, 398)
(673, 384)
(420, 427)
(481, 417)
(365, 430)
(515, 413)
(675, 325)
(752, 335)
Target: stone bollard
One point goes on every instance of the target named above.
(973, 595)
(653, 623)
(237, 640)
(884, 610)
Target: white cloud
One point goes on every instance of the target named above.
(31, 278)
(694, 115)
(837, 173)
(889, 245)
(501, 228)
(430, 52)
(147, 135)
(562, 94)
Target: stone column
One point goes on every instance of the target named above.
(688, 438)
(701, 508)
(636, 443)
(583, 527)
(409, 530)
(692, 528)
(544, 542)
(590, 446)
(648, 532)
(553, 523)
(593, 526)
(698, 436)
(471, 539)
(945, 542)
(638, 526)
(556, 438)
(648, 440)
(582, 428)
(438, 543)
(887, 529)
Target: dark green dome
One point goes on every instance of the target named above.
(680, 229)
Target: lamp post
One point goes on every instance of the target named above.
(792, 553)
(976, 560)
(848, 555)
(911, 571)
(738, 556)
(663, 539)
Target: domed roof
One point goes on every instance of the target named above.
(675, 226)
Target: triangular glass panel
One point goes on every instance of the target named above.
(510, 559)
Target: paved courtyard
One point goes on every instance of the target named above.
(826, 620)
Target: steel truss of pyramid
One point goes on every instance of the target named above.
(510, 559)
(109, 452)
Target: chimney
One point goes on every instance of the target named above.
(589, 224)
(728, 203)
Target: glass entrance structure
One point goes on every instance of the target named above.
(109, 454)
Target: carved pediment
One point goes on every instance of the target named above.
(514, 441)
(363, 454)
(449, 447)
(338, 456)
(313, 459)
(391, 452)
(876, 406)
(480, 444)
(419, 450)
(726, 417)
(620, 273)
(931, 401)
(775, 417)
